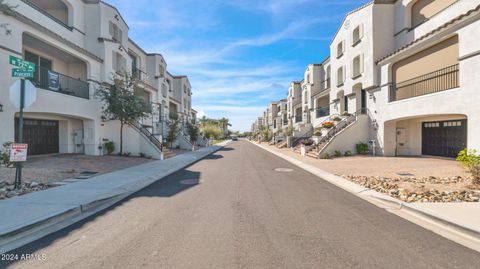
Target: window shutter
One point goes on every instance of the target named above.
(114, 61)
(361, 64)
(111, 30)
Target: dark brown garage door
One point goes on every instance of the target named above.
(41, 136)
(444, 138)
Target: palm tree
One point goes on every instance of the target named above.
(203, 121)
(224, 123)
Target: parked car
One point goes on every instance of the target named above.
(234, 138)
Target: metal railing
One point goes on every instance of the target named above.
(138, 126)
(322, 111)
(437, 81)
(66, 85)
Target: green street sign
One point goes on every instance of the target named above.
(22, 64)
(21, 73)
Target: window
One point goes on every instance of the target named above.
(308, 78)
(340, 49)
(357, 35)
(357, 66)
(115, 32)
(118, 62)
(340, 76)
(42, 66)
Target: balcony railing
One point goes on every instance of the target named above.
(298, 119)
(322, 111)
(285, 122)
(437, 81)
(49, 80)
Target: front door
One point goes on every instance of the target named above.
(444, 138)
(40, 135)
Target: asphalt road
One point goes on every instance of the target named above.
(233, 210)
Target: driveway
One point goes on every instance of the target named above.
(243, 207)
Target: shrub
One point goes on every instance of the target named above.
(471, 160)
(336, 118)
(317, 133)
(347, 153)
(307, 142)
(212, 131)
(345, 113)
(362, 148)
(338, 153)
(110, 147)
(5, 154)
(328, 124)
(326, 156)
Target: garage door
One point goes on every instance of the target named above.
(41, 136)
(444, 138)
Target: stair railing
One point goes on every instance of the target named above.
(142, 130)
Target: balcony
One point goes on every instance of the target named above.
(322, 112)
(45, 79)
(437, 81)
(56, 10)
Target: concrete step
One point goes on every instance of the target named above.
(312, 154)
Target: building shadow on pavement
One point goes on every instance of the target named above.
(166, 187)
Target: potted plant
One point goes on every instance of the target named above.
(328, 124)
(305, 146)
(317, 134)
(336, 118)
(345, 114)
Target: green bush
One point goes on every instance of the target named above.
(338, 153)
(471, 160)
(336, 118)
(110, 147)
(362, 148)
(212, 131)
(327, 156)
(347, 153)
(5, 154)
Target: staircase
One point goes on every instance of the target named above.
(332, 133)
(147, 134)
(282, 144)
(168, 153)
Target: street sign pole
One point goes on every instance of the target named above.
(18, 174)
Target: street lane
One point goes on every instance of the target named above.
(233, 210)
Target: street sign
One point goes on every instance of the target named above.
(30, 93)
(22, 64)
(18, 152)
(21, 73)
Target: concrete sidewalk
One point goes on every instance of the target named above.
(29, 217)
(463, 217)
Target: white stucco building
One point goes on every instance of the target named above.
(85, 43)
(405, 72)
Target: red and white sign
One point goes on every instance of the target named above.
(18, 152)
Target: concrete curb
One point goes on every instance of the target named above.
(369, 195)
(25, 233)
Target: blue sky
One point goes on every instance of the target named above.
(239, 55)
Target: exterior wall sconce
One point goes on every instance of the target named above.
(1, 108)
